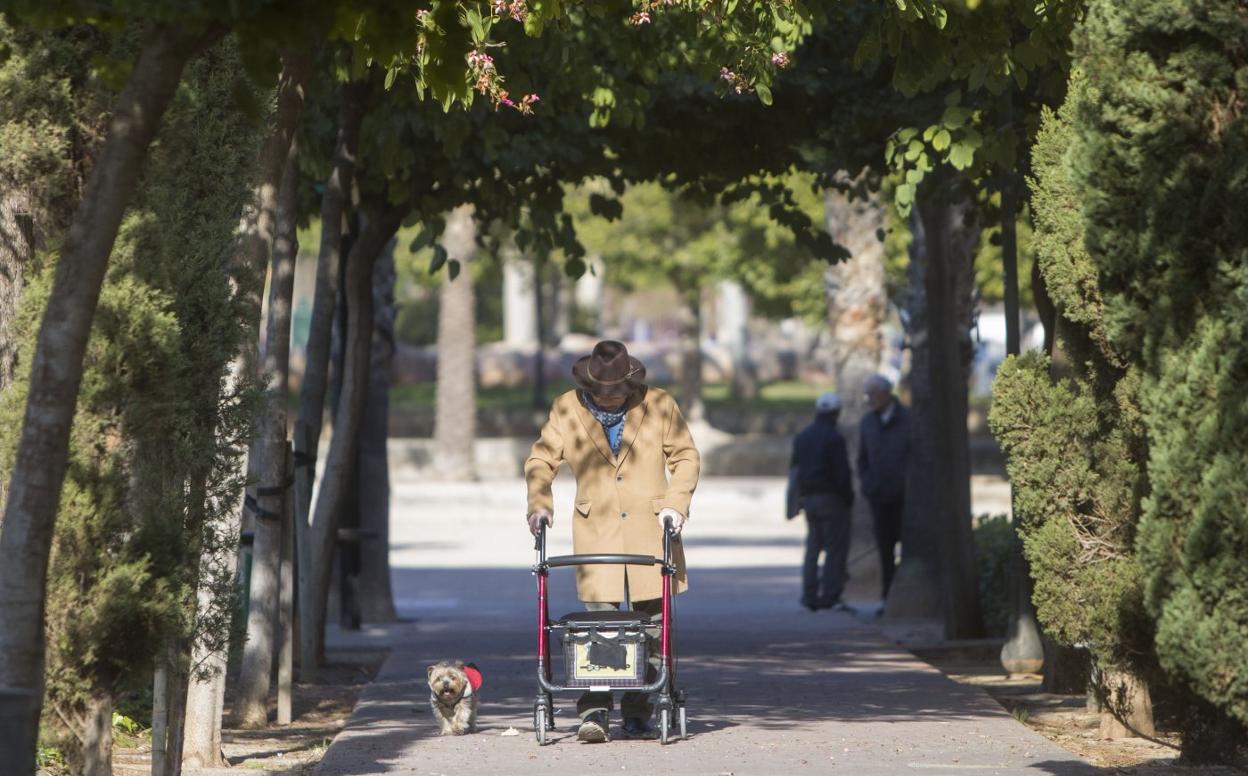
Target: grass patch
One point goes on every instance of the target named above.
(783, 396)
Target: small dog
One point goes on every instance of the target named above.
(453, 694)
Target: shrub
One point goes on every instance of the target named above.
(994, 538)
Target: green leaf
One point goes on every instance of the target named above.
(962, 155)
(955, 116)
(605, 207)
(941, 140)
(764, 93)
(476, 25)
(437, 260)
(904, 194)
(390, 74)
(453, 268)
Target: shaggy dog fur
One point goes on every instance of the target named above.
(453, 700)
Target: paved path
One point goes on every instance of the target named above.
(773, 689)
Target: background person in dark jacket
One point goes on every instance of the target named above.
(820, 466)
(883, 450)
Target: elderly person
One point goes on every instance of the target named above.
(825, 491)
(635, 466)
(883, 453)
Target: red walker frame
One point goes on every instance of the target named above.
(670, 705)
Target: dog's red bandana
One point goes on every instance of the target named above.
(474, 677)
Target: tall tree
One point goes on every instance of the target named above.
(455, 419)
(380, 224)
(269, 448)
(56, 371)
(335, 203)
(373, 471)
(856, 295)
(1088, 586)
(206, 691)
(134, 511)
(950, 232)
(1162, 111)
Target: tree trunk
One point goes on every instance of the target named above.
(169, 708)
(16, 247)
(455, 418)
(160, 718)
(1065, 669)
(540, 400)
(732, 332)
(951, 235)
(343, 449)
(1210, 735)
(856, 298)
(206, 692)
(915, 593)
(691, 403)
(334, 203)
(1127, 710)
(1023, 651)
(97, 740)
(373, 473)
(56, 373)
(269, 450)
(519, 299)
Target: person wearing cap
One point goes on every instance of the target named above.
(825, 492)
(883, 454)
(636, 466)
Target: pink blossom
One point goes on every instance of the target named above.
(780, 59)
(480, 60)
(727, 75)
(640, 18)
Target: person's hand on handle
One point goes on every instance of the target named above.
(678, 520)
(539, 517)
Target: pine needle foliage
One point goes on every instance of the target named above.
(1161, 157)
(154, 444)
(1075, 446)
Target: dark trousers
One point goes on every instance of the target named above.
(827, 534)
(887, 519)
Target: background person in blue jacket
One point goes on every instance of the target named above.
(825, 488)
(883, 452)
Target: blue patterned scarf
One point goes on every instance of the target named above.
(612, 422)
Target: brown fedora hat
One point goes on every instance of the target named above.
(609, 370)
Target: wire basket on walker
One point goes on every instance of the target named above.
(606, 651)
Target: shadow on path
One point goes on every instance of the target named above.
(773, 689)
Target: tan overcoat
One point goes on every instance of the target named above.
(618, 498)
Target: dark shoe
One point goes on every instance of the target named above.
(809, 604)
(593, 728)
(639, 727)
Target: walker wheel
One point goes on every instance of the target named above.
(539, 723)
(683, 723)
(665, 724)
